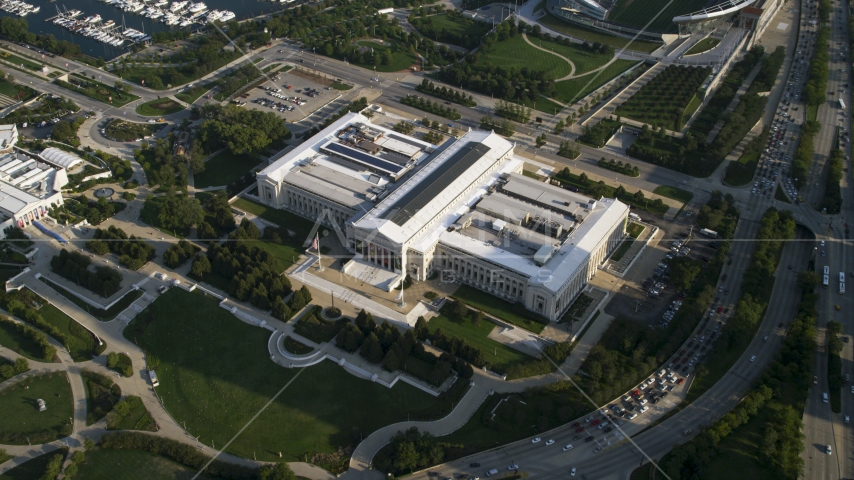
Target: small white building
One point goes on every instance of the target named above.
(41, 404)
(8, 137)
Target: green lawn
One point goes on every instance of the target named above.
(459, 26)
(583, 59)
(98, 91)
(639, 13)
(620, 252)
(216, 394)
(340, 86)
(16, 60)
(567, 28)
(99, 313)
(569, 91)
(224, 168)
(192, 94)
(781, 195)
(634, 230)
(19, 343)
(102, 464)
(31, 469)
(159, 107)
(28, 421)
(683, 196)
(497, 307)
(401, 58)
(542, 104)
(137, 419)
(83, 342)
(15, 91)
(282, 218)
(703, 45)
(516, 53)
(496, 353)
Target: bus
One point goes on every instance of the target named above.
(825, 281)
(709, 233)
(841, 288)
(841, 277)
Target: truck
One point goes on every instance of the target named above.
(709, 233)
(842, 104)
(841, 277)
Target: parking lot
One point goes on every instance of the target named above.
(293, 95)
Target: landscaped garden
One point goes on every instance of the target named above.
(224, 168)
(703, 45)
(567, 28)
(192, 94)
(103, 463)
(393, 55)
(660, 13)
(29, 426)
(124, 131)
(499, 308)
(34, 468)
(112, 96)
(570, 91)
(665, 99)
(130, 414)
(15, 91)
(216, 395)
(158, 107)
(516, 53)
(451, 27)
(499, 356)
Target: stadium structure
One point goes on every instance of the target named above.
(462, 209)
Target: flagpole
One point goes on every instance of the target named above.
(319, 260)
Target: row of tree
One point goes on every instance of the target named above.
(178, 253)
(74, 266)
(37, 337)
(502, 127)
(16, 29)
(430, 106)
(767, 76)
(132, 251)
(599, 134)
(804, 153)
(513, 111)
(445, 93)
(814, 90)
(619, 167)
(832, 200)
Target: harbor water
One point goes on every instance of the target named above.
(39, 22)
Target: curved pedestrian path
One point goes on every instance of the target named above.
(570, 62)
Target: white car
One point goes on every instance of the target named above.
(513, 467)
(572, 472)
(643, 409)
(568, 447)
(536, 440)
(753, 358)
(549, 442)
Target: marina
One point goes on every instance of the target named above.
(130, 27)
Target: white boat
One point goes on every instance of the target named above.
(174, 20)
(109, 24)
(177, 6)
(197, 7)
(185, 23)
(226, 16)
(36, 9)
(213, 16)
(161, 3)
(92, 19)
(157, 15)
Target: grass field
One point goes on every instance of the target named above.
(620, 252)
(137, 419)
(282, 218)
(158, 107)
(224, 168)
(460, 26)
(216, 394)
(401, 58)
(639, 13)
(703, 45)
(516, 53)
(496, 353)
(592, 36)
(496, 307)
(102, 464)
(584, 60)
(569, 91)
(28, 421)
(18, 343)
(83, 343)
(683, 196)
(340, 86)
(29, 470)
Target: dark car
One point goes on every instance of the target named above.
(577, 437)
(607, 429)
(579, 429)
(588, 439)
(575, 425)
(474, 464)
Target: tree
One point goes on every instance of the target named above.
(406, 457)
(179, 212)
(204, 231)
(421, 330)
(21, 365)
(391, 362)
(477, 317)
(371, 349)
(460, 309)
(201, 266)
(279, 471)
